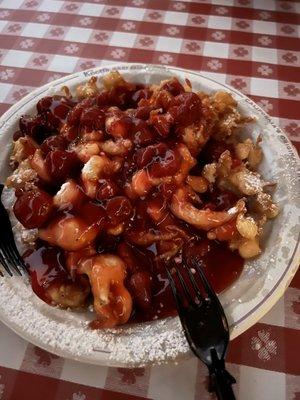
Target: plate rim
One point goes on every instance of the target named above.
(260, 309)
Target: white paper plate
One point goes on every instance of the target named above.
(261, 284)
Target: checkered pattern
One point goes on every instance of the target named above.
(252, 45)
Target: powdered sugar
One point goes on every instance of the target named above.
(27, 236)
(23, 176)
(67, 333)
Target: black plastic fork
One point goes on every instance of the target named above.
(204, 323)
(10, 257)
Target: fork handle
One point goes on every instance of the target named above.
(220, 382)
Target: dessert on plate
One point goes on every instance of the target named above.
(116, 181)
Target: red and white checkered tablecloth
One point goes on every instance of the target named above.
(252, 45)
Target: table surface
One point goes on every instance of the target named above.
(252, 45)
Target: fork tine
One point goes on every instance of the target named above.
(15, 257)
(9, 253)
(177, 297)
(17, 262)
(10, 250)
(206, 284)
(212, 296)
(209, 290)
(184, 286)
(14, 267)
(194, 284)
(5, 264)
(10, 262)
